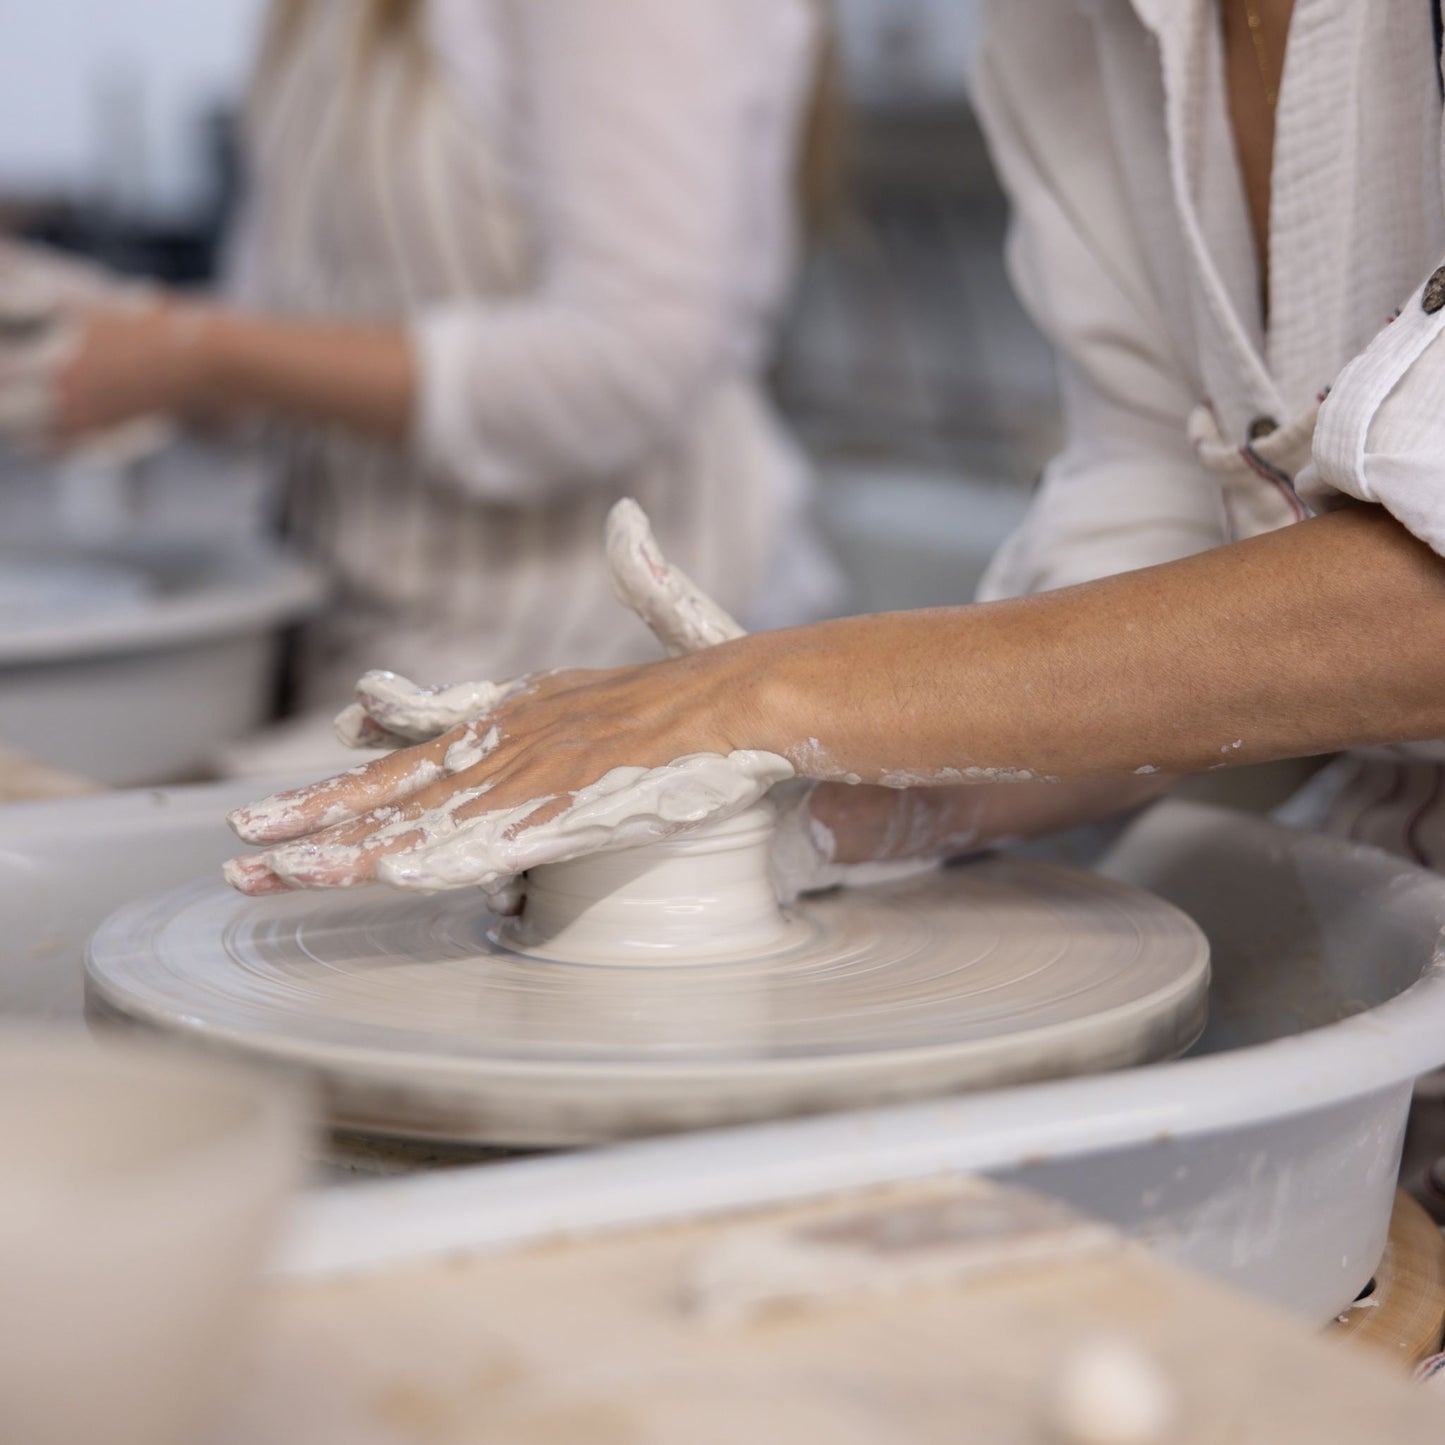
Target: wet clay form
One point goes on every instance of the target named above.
(662, 987)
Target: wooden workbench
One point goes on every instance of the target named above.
(944, 1312)
(1403, 1315)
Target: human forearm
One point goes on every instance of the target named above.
(1322, 636)
(358, 377)
(203, 363)
(882, 825)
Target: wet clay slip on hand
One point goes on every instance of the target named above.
(660, 988)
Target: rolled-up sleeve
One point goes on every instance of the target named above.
(1381, 431)
(1127, 490)
(635, 143)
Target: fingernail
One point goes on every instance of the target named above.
(240, 872)
(253, 824)
(272, 820)
(239, 821)
(252, 876)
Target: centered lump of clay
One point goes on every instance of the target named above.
(662, 987)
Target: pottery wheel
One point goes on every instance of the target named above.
(429, 1018)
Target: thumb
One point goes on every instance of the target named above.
(678, 612)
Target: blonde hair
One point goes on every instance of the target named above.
(379, 23)
(396, 24)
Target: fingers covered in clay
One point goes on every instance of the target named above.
(473, 832)
(355, 728)
(575, 763)
(447, 837)
(349, 853)
(346, 797)
(676, 610)
(254, 876)
(388, 709)
(31, 355)
(392, 711)
(625, 808)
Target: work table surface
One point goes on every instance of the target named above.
(939, 1312)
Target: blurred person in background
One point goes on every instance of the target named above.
(500, 263)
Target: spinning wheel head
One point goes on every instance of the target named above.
(662, 988)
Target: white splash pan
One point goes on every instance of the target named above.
(1267, 1159)
(132, 686)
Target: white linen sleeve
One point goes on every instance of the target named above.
(1381, 432)
(636, 149)
(1127, 490)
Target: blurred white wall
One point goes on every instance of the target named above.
(101, 97)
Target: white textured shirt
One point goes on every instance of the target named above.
(1190, 421)
(582, 211)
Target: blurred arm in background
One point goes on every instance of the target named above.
(639, 133)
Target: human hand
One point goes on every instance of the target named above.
(100, 376)
(36, 280)
(32, 351)
(566, 765)
(60, 318)
(461, 720)
(391, 711)
(125, 364)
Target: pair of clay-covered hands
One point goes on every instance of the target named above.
(45, 296)
(368, 823)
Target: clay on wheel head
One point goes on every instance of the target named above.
(421, 1017)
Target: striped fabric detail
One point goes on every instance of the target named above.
(377, 202)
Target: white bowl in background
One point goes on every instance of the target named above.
(146, 685)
